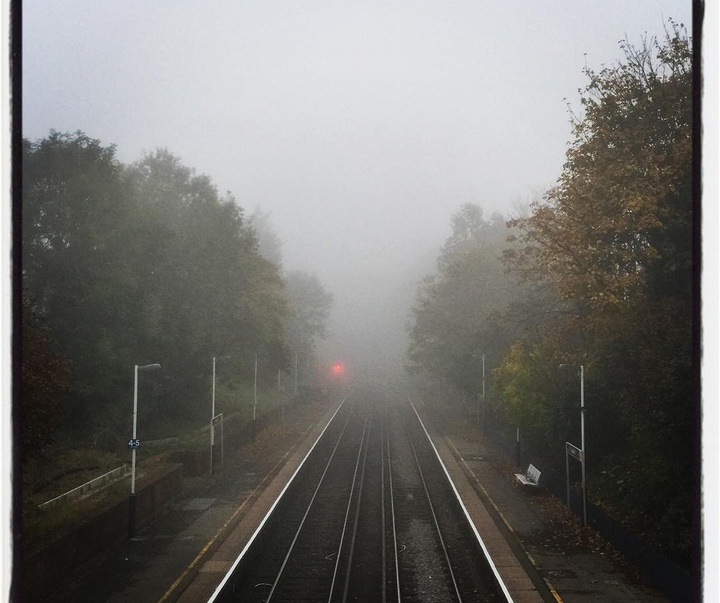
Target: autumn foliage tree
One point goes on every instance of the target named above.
(599, 273)
(614, 241)
(46, 379)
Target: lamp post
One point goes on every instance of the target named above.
(483, 392)
(482, 395)
(134, 443)
(212, 415)
(296, 374)
(255, 392)
(212, 411)
(582, 437)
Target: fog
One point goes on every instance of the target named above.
(360, 126)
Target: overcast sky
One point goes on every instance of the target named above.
(362, 126)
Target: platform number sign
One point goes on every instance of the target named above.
(134, 443)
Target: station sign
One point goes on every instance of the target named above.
(574, 451)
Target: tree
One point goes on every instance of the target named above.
(614, 241)
(136, 264)
(45, 377)
(618, 225)
(310, 307)
(74, 227)
(269, 244)
(454, 319)
(204, 289)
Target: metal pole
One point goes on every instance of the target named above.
(134, 432)
(567, 477)
(483, 376)
(134, 444)
(255, 391)
(481, 405)
(483, 393)
(582, 439)
(296, 373)
(212, 412)
(132, 516)
(212, 416)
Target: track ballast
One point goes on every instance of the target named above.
(370, 516)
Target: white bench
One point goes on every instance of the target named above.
(530, 478)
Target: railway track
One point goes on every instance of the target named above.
(369, 516)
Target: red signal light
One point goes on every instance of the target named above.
(338, 368)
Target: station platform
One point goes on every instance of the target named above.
(566, 562)
(183, 556)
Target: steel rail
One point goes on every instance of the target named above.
(382, 513)
(481, 542)
(362, 447)
(307, 512)
(354, 512)
(228, 575)
(393, 518)
(434, 516)
(348, 568)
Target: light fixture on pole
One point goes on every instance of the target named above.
(483, 394)
(212, 415)
(254, 410)
(212, 411)
(582, 440)
(481, 406)
(255, 391)
(134, 443)
(296, 374)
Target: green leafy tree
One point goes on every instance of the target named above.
(522, 381)
(310, 306)
(455, 317)
(74, 228)
(205, 290)
(137, 264)
(269, 244)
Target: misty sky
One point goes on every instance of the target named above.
(361, 126)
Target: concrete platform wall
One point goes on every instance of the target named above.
(101, 530)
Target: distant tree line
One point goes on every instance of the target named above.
(598, 273)
(143, 263)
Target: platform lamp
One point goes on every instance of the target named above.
(582, 435)
(481, 396)
(212, 409)
(134, 443)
